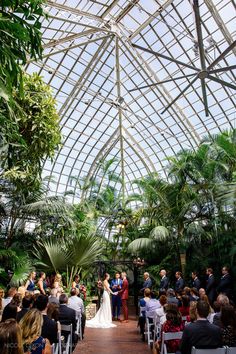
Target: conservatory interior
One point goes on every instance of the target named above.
(117, 163)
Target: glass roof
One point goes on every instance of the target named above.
(97, 57)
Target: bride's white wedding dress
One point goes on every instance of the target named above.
(103, 318)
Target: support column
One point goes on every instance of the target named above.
(119, 99)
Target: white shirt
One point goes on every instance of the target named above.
(76, 303)
(159, 313)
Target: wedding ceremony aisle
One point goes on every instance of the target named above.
(124, 339)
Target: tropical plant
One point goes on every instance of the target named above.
(70, 255)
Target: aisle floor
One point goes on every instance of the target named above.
(123, 339)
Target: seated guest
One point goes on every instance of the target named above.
(53, 296)
(222, 301)
(11, 293)
(31, 327)
(192, 312)
(76, 303)
(151, 306)
(228, 321)
(201, 333)
(17, 300)
(194, 294)
(216, 310)
(10, 337)
(9, 311)
(142, 317)
(173, 323)
(171, 299)
(160, 315)
(185, 303)
(30, 285)
(202, 293)
(53, 311)
(27, 303)
(186, 291)
(49, 328)
(67, 315)
(211, 311)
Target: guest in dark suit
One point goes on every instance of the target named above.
(201, 334)
(67, 316)
(147, 282)
(27, 303)
(196, 282)
(179, 285)
(225, 286)
(210, 286)
(49, 328)
(164, 280)
(124, 293)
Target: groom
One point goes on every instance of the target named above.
(116, 285)
(124, 293)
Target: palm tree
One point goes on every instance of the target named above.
(70, 255)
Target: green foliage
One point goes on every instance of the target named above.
(38, 133)
(20, 35)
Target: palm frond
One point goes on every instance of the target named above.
(160, 233)
(139, 244)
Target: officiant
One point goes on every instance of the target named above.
(116, 285)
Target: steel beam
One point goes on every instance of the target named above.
(107, 11)
(180, 94)
(114, 138)
(72, 37)
(165, 57)
(89, 68)
(222, 55)
(201, 52)
(162, 82)
(150, 19)
(153, 77)
(222, 27)
(126, 10)
(146, 157)
(222, 82)
(71, 47)
(118, 87)
(73, 10)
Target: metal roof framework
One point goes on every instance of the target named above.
(98, 54)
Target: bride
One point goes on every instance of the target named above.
(103, 317)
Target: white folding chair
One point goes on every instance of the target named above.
(230, 350)
(208, 351)
(67, 328)
(56, 347)
(157, 329)
(53, 349)
(148, 331)
(169, 336)
(79, 324)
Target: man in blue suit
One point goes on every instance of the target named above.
(179, 285)
(116, 285)
(147, 282)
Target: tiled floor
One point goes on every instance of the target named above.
(124, 339)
